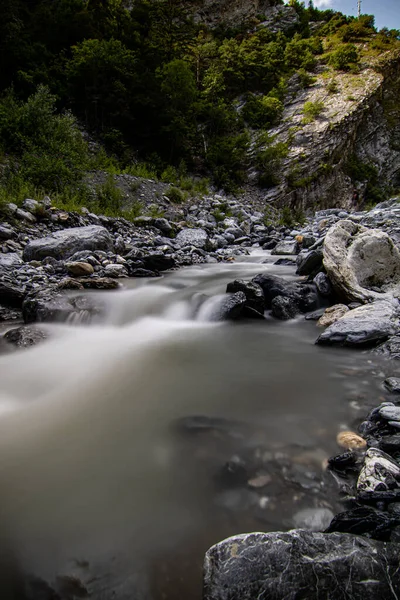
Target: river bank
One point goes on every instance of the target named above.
(145, 427)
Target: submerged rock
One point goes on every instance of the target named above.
(300, 564)
(230, 308)
(366, 325)
(253, 292)
(24, 337)
(362, 264)
(63, 244)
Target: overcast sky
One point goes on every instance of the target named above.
(387, 12)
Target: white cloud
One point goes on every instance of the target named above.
(323, 3)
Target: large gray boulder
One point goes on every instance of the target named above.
(301, 564)
(63, 244)
(192, 237)
(365, 325)
(362, 264)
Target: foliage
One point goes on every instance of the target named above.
(262, 111)
(175, 195)
(312, 110)
(332, 86)
(344, 57)
(306, 80)
(269, 160)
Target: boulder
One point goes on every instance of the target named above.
(11, 295)
(230, 308)
(392, 384)
(303, 294)
(284, 308)
(100, 283)
(289, 247)
(11, 259)
(323, 284)
(313, 519)
(252, 291)
(7, 232)
(364, 520)
(362, 264)
(380, 473)
(158, 262)
(332, 314)
(192, 237)
(300, 564)
(309, 262)
(390, 348)
(114, 270)
(24, 337)
(79, 269)
(366, 325)
(52, 305)
(63, 244)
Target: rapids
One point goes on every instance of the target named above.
(97, 481)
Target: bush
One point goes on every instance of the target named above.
(262, 111)
(306, 80)
(344, 57)
(47, 148)
(269, 161)
(332, 87)
(175, 195)
(109, 197)
(311, 110)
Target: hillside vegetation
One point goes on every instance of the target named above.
(164, 96)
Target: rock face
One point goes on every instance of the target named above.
(63, 244)
(362, 264)
(366, 325)
(300, 564)
(229, 12)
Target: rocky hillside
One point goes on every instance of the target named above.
(354, 139)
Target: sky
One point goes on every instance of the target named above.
(387, 12)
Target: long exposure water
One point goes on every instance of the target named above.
(130, 445)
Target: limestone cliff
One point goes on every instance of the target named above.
(359, 123)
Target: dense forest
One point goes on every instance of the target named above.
(163, 95)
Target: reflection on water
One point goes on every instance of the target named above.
(102, 474)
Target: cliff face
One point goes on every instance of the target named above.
(359, 125)
(228, 12)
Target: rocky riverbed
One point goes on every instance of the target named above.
(335, 277)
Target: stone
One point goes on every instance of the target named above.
(379, 473)
(63, 244)
(31, 206)
(332, 314)
(192, 237)
(25, 216)
(284, 308)
(285, 261)
(300, 564)
(316, 315)
(11, 259)
(313, 519)
(364, 520)
(350, 440)
(163, 225)
(363, 326)
(9, 314)
(158, 262)
(392, 384)
(6, 232)
(303, 295)
(309, 263)
(113, 270)
(323, 284)
(252, 291)
(390, 348)
(79, 269)
(68, 283)
(51, 305)
(290, 247)
(11, 295)
(390, 413)
(25, 337)
(100, 283)
(230, 308)
(362, 264)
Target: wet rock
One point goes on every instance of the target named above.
(390, 413)
(315, 315)
(300, 564)
(51, 305)
(11, 259)
(79, 269)
(313, 519)
(11, 295)
(158, 262)
(366, 521)
(63, 244)
(350, 440)
(303, 295)
(68, 283)
(343, 462)
(116, 271)
(379, 473)
(309, 262)
(192, 237)
(285, 262)
(323, 284)
(363, 326)
(332, 314)
(390, 444)
(230, 308)
(163, 225)
(25, 337)
(142, 273)
(392, 384)
(361, 263)
(252, 291)
(284, 308)
(390, 348)
(100, 283)
(290, 247)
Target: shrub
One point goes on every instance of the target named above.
(344, 57)
(175, 195)
(269, 161)
(306, 80)
(109, 196)
(311, 110)
(332, 86)
(262, 111)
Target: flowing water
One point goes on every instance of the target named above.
(126, 444)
